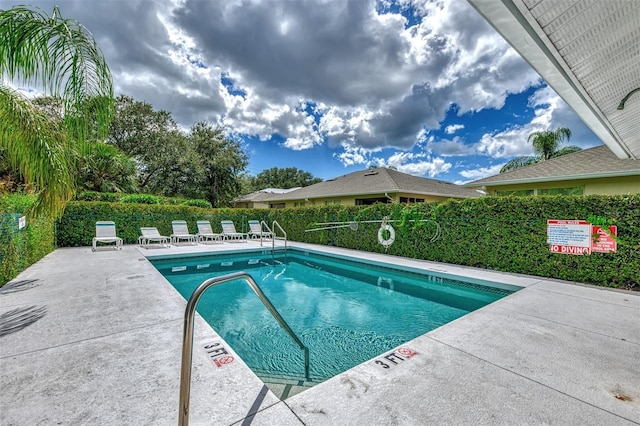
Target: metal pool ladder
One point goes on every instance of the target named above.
(187, 336)
(273, 240)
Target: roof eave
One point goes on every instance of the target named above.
(554, 178)
(520, 30)
(355, 194)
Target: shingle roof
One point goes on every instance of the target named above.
(589, 163)
(377, 181)
(263, 194)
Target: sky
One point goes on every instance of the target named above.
(331, 86)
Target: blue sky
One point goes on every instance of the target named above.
(331, 86)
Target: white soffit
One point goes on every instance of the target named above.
(588, 51)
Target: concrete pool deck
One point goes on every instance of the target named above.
(95, 338)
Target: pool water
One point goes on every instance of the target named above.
(345, 312)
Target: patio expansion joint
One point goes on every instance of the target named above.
(293, 411)
(531, 380)
(88, 339)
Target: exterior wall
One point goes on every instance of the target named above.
(250, 205)
(613, 186)
(602, 186)
(351, 200)
(426, 198)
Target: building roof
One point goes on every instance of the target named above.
(590, 163)
(263, 195)
(588, 52)
(377, 181)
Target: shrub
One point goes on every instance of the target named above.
(198, 203)
(140, 199)
(97, 196)
(20, 248)
(504, 234)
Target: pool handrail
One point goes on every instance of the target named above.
(263, 225)
(187, 336)
(273, 241)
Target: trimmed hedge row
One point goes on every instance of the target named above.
(77, 225)
(503, 234)
(20, 248)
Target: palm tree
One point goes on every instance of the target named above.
(546, 145)
(61, 56)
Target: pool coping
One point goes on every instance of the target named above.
(554, 352)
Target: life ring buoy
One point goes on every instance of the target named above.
(392, 235)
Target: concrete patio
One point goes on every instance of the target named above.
(94, 338)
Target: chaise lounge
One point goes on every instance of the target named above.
(106, 233)
(181, 232)
(150, 235)
(229, 232)
(205, 233)
(256, 231)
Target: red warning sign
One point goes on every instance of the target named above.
(223, 360)
(603, 241)
(406, 352)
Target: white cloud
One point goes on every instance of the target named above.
(481, 172)
(513, 141)
(420, 164)
(449, 147)
(451, 129)
(431, 168)
(376, 82)
(354, 155)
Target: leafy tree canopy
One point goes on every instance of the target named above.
(61, 56)
(546, 145)
(284, 178)
(202, 163)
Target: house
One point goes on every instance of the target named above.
(259, 199)
(380, 185)
(590, 171)
(588, 53)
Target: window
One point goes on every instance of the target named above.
(329, 202)
(299, 204)
(411, 200)
(277, 206)
(370, 201)
(520, 193)
(575, 190)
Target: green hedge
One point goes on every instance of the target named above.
(77, 225)
(20, 248)
(504, 234)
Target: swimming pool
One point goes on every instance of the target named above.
(345, 311)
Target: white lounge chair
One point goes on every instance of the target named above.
(205, 233)
(229, 232)
(150, 235)
(106, 233)
(256, 231)
(181, 232)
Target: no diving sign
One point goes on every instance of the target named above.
(580, 237)
(218, 354)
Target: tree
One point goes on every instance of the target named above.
(61, 56)
(286, 178)
(223, 162)
(546, 145)
(107, 169)
(153, 139)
